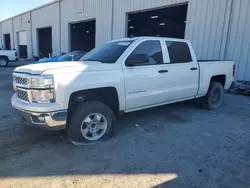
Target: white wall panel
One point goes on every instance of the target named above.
(207, 27)
(84, 10)
(47, 16)
(23, 23)
(22, 38)
(238, 45)
(8, 29)
(78, 6)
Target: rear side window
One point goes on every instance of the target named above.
(178, 52)
(152, 49)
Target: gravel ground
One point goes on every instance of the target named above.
(177, 145)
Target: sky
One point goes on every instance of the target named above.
(9, 8)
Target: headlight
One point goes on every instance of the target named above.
(42, 96)
(46, 81)
(46, 84)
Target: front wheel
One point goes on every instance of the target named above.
(215, 96)
(3, 62)
(90, 123)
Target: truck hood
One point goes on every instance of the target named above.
(37, 69)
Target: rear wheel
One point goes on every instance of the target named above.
(91, 123)
(3, 62)
(215, 96)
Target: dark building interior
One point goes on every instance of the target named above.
(45, 42)
(7, 44)
(164, 22)
(83, 36)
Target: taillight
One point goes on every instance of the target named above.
(16, 54)
(234, 70)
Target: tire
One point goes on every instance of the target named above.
(79, 128)
(214, 98)
(4, 62)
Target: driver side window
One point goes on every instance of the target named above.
(150, 49)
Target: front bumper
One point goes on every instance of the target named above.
(49, 121)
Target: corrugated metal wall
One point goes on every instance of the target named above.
(7, 28)
(22, 23)
(238, 43)
(47, 16)
(207, 22)
(83, 10)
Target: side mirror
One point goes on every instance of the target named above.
(137, 59)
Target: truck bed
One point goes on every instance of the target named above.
(211, 68)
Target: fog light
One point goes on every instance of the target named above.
(42, 119)
(38, 120)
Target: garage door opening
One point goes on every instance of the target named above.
(83, 36)
(164, 22)
(45, 42)
(7, 44)
(22, 44)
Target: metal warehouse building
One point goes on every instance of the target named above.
(218, 29)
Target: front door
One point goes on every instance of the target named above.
(144, 82)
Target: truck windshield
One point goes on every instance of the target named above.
(108, 53)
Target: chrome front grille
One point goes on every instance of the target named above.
(22, 95)
(21, 85)
(21, 80)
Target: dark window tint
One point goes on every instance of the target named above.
(107, 53)
(179, 52)
(152, 49)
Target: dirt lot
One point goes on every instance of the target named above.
(177, 145)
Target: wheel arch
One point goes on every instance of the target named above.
(4, 56)
(219, 78)
(106, 95)
(205, 83)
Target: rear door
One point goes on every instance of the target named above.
(183, 71)
(145, 83)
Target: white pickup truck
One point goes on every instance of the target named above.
(120, 76)
(7, 56)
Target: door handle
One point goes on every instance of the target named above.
(163, 71)
(193, 68)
